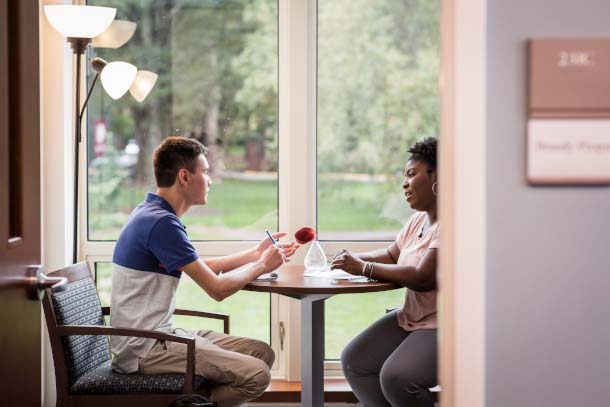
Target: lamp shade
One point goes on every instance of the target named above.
(116, 35)
(142, 85)
(117, 77)
(79, 21)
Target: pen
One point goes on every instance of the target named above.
(270, 237)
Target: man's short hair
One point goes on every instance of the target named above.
(174, 154)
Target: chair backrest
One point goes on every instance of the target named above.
(78, 304)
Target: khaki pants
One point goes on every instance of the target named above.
(238, 367)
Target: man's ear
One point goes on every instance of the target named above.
(182, 176)
(433, 176)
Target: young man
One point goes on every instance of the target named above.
(150, 255)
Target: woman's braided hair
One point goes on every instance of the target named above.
(425, 151)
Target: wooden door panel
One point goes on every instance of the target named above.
(20, 244)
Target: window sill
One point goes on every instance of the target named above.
(336, 390)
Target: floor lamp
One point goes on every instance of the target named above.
(80, 24)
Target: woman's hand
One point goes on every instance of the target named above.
(264, 244)
(347, 261)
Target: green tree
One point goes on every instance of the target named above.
(217, 64)
(257, 65)
(378, 75)
(149, 49)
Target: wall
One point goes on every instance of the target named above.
(57, 168)
(548, 248)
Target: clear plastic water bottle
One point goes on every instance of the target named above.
(315, 259)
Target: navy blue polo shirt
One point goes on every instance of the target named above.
(154, 240)
(146, 267)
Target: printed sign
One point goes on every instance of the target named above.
(568, 151)
(568, 139)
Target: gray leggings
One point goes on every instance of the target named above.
(388, 366)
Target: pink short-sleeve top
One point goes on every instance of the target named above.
(419, 310)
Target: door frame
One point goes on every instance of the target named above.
(462, 207)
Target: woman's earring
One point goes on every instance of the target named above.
(435, 192)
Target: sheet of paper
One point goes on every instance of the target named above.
(333, 274)
(267, 277)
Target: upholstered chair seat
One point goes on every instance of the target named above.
(103, 380)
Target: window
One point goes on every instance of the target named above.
(217, 67)
(377, 94)
(234, 72)
(378, 65)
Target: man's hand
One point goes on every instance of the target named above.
(347, 261)
(272, 258)
(264, 244)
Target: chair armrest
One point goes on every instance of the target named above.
(70, 330)
(388, 310)
(202, 314)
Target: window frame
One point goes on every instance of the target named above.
(297, 177)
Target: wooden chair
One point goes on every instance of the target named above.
(81, 355)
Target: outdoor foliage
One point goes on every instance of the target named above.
(378, 74)
(217, 63)
(217, 66)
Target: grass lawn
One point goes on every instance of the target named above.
(240, 209)
(349, 314)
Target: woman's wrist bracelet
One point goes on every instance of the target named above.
(367, 269)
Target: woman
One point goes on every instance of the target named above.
(394, 361)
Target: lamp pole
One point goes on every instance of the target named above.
(79, 46)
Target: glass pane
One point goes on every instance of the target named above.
(378, 65)
(348, 315)
(249, 312)
(103, 282)
(217, 67)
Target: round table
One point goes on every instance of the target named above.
(312, 292)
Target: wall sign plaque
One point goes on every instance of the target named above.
(568, 128)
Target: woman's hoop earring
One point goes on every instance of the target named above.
(435, 192)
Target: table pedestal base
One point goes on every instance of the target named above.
(312, 349)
